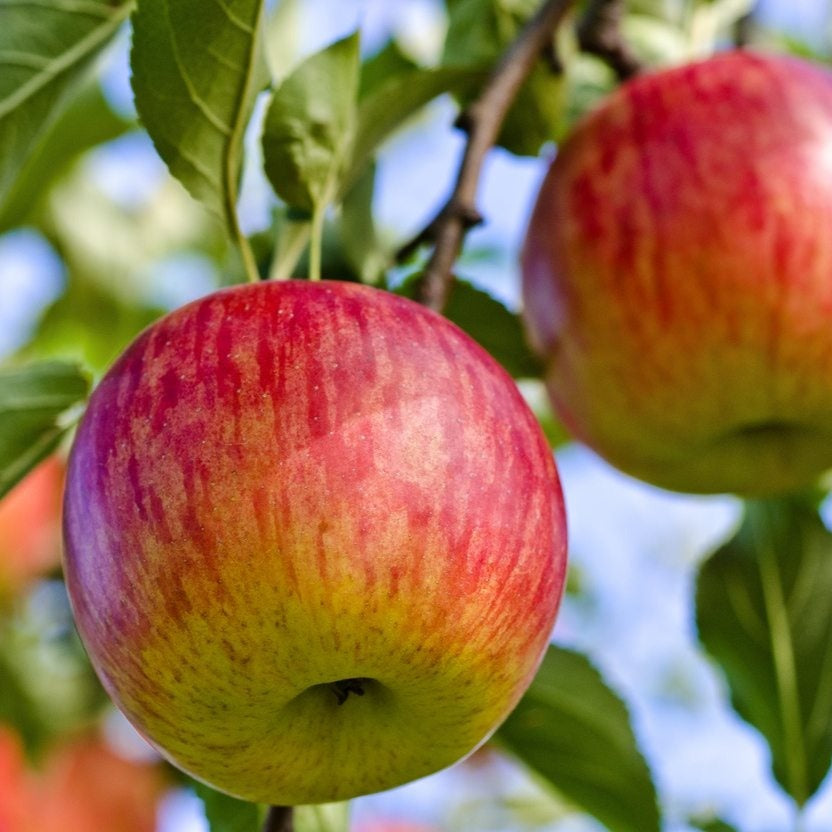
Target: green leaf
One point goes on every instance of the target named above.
(227, 814)
(388, 104)
(328, 817)
(44, 48)
(87, 121)
(359, 239)
(197, 68)
(764, 613)
(479, 32)
(713, 825)
(575, 732)
(310, 126)
(18, 709)
(65, 332)
(490, 324)
(34, 403)
(388, 62)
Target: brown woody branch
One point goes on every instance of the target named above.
(280, 819)
(599, 33)
(482, 121)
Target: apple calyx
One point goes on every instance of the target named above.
(344, 687)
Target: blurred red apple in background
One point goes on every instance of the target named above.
(83, 787)
(30, 527)
(678, 276)
(315, 540)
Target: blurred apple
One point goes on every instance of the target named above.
(83, 787)
(30, 527)
(315, 540)
(678, 276)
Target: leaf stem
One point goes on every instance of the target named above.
(280, 819)
(249, 263)
(782, 648)
(482, 121)
(317, 240)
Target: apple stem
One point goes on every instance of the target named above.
(482, 121)
(280, 819)
(599, 33)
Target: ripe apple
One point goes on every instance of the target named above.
(677, 276)
(315, 540)
(30, 527)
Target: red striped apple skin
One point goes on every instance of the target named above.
(287, 485)
(678, 276)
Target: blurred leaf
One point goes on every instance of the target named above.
(656, 42)
(18, 709)
(34, 400)
(282, 38)
(389, 62)
(87, 121)
(328, 817)
(479, 32)
(537, 398)
(70, 328)
(197, 68)
(387, 105)
(764, 614)
(575, 732)
(359, 238)
(489, 323)
(310, 126)
(714, 825)
(227, 814)
(44, 49)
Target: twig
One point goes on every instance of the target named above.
(744, 30)
(599, 33)
(482, 121)
(280, 819)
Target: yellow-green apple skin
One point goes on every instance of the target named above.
(314, 540)
(677, 276)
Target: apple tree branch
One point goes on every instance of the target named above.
(482, 121)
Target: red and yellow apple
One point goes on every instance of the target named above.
(677, 276)
(315, 540)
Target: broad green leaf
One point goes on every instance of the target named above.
(575, 732)
(35, 401)
(489, 323)
(87, 121)
(389, 62)
(227, 814)
(44, 48)
(359, 239)
(328, 817)
(479, 32)
(197, 68)
(310, 126)
(388, 104)
(764, 614)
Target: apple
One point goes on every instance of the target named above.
(83, 786)
(677, 276)
(315, 540)
(30, 527)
